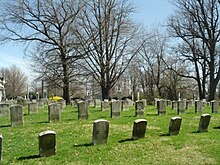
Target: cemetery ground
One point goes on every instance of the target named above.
(73, 139)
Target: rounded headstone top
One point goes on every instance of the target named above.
(47, 132)
(140, 120)
(176, 117)
(100, 120)
(206, 115)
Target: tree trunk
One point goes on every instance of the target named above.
(65, 83)
(105, 93)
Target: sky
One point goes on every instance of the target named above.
(150, 13)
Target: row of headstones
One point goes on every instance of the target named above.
(16, 112)
(47, 139)
(182, 105)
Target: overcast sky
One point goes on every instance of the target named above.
(150, 13)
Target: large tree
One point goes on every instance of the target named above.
(198, 20)
(46, 26)
(106, 35)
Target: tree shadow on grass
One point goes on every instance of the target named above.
(3, 126)
(165, 134)
(42, 122)
(29, 157)
(216, 127)
(126, 140)
(149, 114)
(83, 145)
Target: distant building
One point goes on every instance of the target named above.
(2, 88)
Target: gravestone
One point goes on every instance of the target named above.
(198, 106)
(181, 106)
(139, 129)
(62, 102)
(54, 112)
(162, 107)
(4, 109)
(139, 108)
(215, 105)
(175, 124)
(144, 101)
(174, 105)
(189, 104)
(16, 113)
(83, 110)
(100, 132)
(32, 108)
(125, 105)
(104, 105)
(1, 147)
(47, 143)
(97, 102)
(204, 123)
(115, 109)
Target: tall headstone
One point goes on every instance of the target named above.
(174, 105)
(4, 109)
(175, 124)
(54, 112)
(1, 147)
(204, 123)
(215, 105)
(32, 108)
(47, 143)
(104, 105)
(139, 129)
(115, 109)
(83, 110)
(125, 105)
(97, 102)
(139, 108)
(16, 113)
(198, 106)
(162, 107)
(100, 132)
(181, 106)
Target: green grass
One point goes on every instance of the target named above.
(20, 144)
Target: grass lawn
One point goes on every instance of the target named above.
(73, 136)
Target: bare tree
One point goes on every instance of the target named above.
(16, 81)
(199, 20)
(106, 36)
(153, 53)
(46, 26)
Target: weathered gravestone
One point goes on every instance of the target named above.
(198, 106)
(1, 147)
(32, 108)
(174, 105)
(100, 132)
(204, 123)
(4, 109)
(125, 105)
(162, 107)
(189, 104)
(83, 110)
(54, 112)
(62, 102)
(104, 105)
(139, 108)
(97, 102)
(47, 143)
(181, 106)
(175, 124)
(139, 129)
(215, 105)
(16, 113)
(115, 109)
